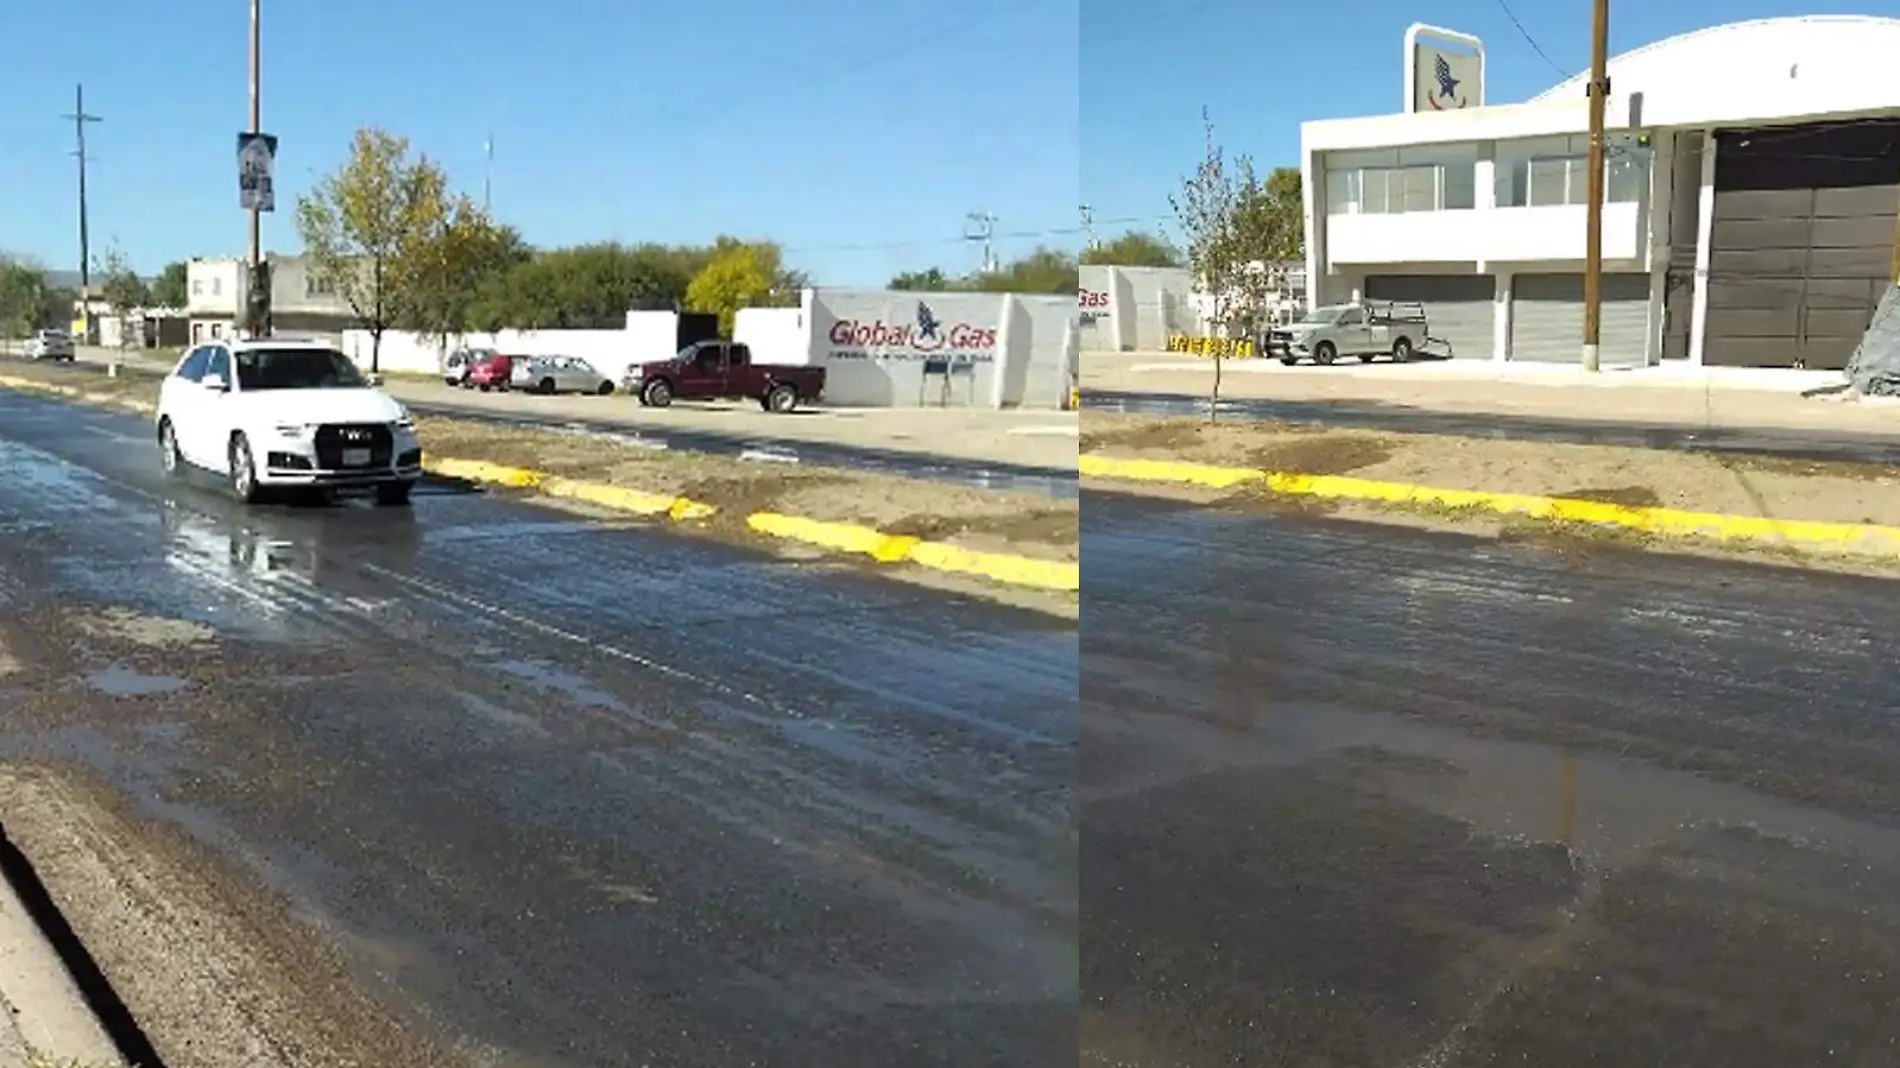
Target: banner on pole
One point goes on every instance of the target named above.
(257, 158)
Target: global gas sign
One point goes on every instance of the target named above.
(922, 336)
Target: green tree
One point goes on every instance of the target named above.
(462, 253)
(932, 280)
(1206, 207)
(586, 287)
(742, 274)
(372, 230)
(1045, 270)
(22, 298)
(1136, 249)
(120, 285)
(169, 291)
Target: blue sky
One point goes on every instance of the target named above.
(857, 134)
(1259, 75)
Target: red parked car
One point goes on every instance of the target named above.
(491, 372)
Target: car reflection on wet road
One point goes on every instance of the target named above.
(647, 801)
(1358, 795)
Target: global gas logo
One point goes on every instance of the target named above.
(924, 335)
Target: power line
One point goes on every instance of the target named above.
(963, 239)
(1535, 47)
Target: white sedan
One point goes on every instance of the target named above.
(269, 413)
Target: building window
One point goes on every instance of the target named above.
(217, 286)
(197, 287)
(1424, 178)
(316, 286)
(1552, 172)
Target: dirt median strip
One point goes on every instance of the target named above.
(1831, 508)
(1017, 539)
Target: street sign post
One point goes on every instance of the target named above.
(257, 159)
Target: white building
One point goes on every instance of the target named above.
(1752, 183)
(301, 303)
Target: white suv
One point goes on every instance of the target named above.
(274, 413)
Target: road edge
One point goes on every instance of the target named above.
(1811, 535)
(47, 1014)
(1009, 569)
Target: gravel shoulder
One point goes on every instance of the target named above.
(1701, 482)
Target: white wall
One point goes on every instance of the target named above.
(1004, 349)
(775, 335)
(1478, 236)
(1144, 305)
(608, 350)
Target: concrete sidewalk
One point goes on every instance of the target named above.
(1687, 398)
(43, 1018)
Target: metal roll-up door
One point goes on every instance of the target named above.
(1459, 306)
(1547, 319)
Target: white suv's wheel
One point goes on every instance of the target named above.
(243, 470)
(168, 449)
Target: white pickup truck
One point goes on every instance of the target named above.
(1363, 329)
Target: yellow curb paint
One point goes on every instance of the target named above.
(1002, 567)
(1167, 471)
(623, 499)
(1810, 533)
(483, 471)
(842, 537)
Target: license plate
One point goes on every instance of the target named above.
(355, 457)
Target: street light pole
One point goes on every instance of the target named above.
(1593, 241)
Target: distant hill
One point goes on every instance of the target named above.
(70, 279)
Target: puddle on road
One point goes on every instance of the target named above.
(119, 681)
(552, 679)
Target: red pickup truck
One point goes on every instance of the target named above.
(719, 370)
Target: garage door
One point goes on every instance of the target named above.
(1460, 308)
(1547, 319)
(1795, 274)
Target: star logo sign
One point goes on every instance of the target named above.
(1447, 85)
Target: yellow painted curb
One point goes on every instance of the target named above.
(483, 471)
(627, 500)
(1061, 576)
(1808, 533)
(938, 556)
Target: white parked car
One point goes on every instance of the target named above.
(50, 345)
(270, 413)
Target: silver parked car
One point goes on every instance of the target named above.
(560, 374)
(50, 345)
(456, 365)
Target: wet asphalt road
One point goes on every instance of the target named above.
(1060, 484)
(1360, 796)
(578, 795)
(1819, 446)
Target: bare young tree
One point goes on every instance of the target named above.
(1206, 207)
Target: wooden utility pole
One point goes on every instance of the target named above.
(257, 218)
(1593, 241)
(79, 120)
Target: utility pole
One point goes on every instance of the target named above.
(79, 120)
(1593, 241)
(257, 127)
(1088, 226)
(980, 227)
(488, 170)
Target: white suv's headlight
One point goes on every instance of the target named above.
(404, 421)
(295, 430)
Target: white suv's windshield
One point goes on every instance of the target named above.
(296, 369)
